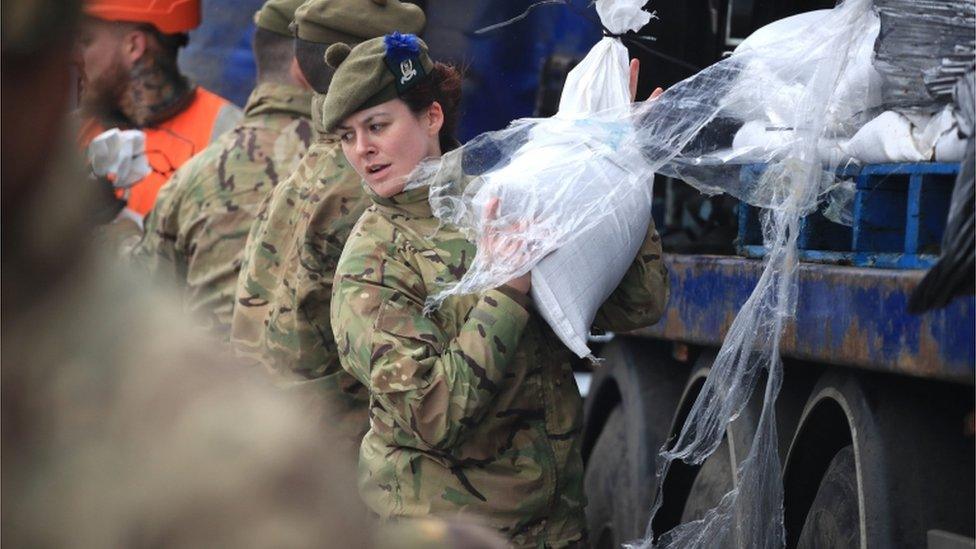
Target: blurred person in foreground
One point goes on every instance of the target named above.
(120, 428)
(195, 234)
(126, 53)
(281, 317)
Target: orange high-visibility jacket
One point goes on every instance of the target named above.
(172, 142)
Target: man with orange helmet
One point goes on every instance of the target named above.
(126, 53)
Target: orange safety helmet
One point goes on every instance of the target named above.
(169, 16)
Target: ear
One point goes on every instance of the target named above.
(134, 45)
(296, 73)
(435, 119)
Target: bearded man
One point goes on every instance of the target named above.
(126, 53)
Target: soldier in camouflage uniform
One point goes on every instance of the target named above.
(281, 317)
(196, 232)
(473, 408)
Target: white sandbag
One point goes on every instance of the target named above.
(886, 138)
(759, 142)
(780, 82)
(573, 191)
(896, 137)
(950, 147)
(928, 130)
(570, 284)
(560, 173)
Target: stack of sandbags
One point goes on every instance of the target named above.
(776, 104)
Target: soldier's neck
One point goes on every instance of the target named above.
(156, 92)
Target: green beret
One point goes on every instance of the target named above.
(371, 73)
(277, 15)
(352, 21)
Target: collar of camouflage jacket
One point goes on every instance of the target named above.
(413, 203)
(279, 99)
(318, 115)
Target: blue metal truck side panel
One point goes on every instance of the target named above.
(846, 315)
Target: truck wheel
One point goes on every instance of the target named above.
(834, 517)
(608, 508)
(714, 480)
(628, 415)
(691, 490)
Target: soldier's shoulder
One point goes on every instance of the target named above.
(200, 167)
(374, 227)
(372, 238)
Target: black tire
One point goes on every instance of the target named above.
(640, 386)
(607, 485)
(834, 518)
(713, 481)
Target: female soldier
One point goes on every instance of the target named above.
(473, 408)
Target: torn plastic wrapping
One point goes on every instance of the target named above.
(558, 178)
(751, 515)
(916, 35)
(840, 203)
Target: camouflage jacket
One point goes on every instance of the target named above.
(473, 408)
(281, 317)
(195, 234)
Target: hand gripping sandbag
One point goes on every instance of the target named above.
(575, 182)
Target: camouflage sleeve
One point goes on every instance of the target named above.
(432, 386)
(159, 252)
(640, 298)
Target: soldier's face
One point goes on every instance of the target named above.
(386, 142)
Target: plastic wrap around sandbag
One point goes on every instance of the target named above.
(559, 175)
(543, 173)
(859, 85)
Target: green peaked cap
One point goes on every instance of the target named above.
(366, 76)
(352, 21)
(277, 15)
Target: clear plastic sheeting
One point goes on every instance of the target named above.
(534, 187)
(840, 203)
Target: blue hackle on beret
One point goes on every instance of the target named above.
(401, 46)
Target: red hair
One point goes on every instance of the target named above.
(444, 86)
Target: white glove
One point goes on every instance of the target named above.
(119, 156)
